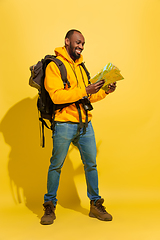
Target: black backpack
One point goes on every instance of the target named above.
(45, 105)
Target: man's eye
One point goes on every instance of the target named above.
(79, 42)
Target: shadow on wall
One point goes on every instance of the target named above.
(28, 163)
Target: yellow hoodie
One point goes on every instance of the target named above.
(78, 81)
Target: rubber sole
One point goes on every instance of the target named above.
(98, 217)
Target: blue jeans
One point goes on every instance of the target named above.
(64, 134)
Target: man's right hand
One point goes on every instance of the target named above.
(95, 87)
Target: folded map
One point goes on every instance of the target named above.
(109, 73)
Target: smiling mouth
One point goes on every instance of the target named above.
(78, 51)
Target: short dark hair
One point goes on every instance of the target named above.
(70, 33)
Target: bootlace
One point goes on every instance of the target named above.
(101, 207)
(48, 210)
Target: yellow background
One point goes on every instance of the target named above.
(126, 123)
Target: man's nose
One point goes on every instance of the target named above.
(81, 46)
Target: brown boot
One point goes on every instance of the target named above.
(97, 210)
(49, 214)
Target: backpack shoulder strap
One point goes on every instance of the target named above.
(85, 69)
(60, 65)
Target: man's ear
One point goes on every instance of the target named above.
(67, 42)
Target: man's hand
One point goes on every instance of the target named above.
(111, 87)
(95, 87)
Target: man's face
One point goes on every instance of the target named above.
(75, 45)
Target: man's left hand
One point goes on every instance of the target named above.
(111, 87)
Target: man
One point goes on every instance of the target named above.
(67, 123)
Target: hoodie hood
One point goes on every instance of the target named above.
(62, 52)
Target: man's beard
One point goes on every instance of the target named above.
(73, 54)
(76, 56)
